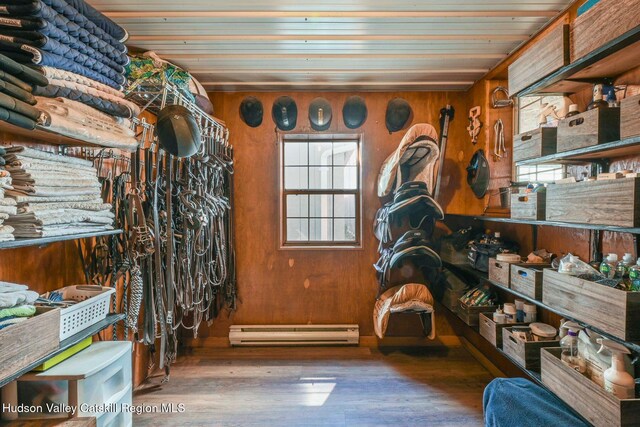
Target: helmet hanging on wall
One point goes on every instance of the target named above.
(178, 131)
(251, 111)
(478, 174)
(354, 112)
(320, 114)
(399, 115)
(285, 113)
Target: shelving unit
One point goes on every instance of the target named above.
(111, 320)
(42, 135)
(41, 241)
(610, 60)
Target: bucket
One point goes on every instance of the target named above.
(505, 197)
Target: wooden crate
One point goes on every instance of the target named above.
(630, 117)
(611, 310)
(529, 205)
(590, 128)
(527, 279)
(614, 202)
(471, 314)
(541, 59)
(27, 342)
(595, 404)
(524, 353)
(499, 271)
(605, 21)
(536, 143)
(491, 330)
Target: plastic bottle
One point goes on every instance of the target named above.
(608, 266)
(622, 268)
(634, 277)
(569, 346)
(616, 379)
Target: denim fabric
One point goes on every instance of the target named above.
(509, 402)
(52, 60)
(99, 104)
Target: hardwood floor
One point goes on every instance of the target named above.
(354, 386)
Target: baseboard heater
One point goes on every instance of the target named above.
(294, 335)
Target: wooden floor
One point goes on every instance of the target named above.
(320, 387)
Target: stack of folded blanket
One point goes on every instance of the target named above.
(81, 55)
(7, 205)
(54, 195)
(16, 304)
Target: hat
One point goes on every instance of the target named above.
(320, 114)
(251, 111)
(478, 174)
(285, 113)
(354, 112)
(178, 132)
(398, 115)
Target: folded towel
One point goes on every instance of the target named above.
(17, 298)
(20, 311)
(12, 287)
(8, 321)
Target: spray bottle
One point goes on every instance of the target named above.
(569, 346)
(616, 379)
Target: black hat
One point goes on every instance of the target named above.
(478, 174)
(178, 131)
(285, 113)
(251, 111)
(354, 112)
(399, 114)
(320, 114)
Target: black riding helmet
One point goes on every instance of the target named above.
(354, 112)
(178, 132)
(251, 111)
(478, 174)
(285, 113)
(399, 114)
(320, 114)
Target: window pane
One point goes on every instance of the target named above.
(320, 178)
(295, 178)
(321, 205)
(345, 178)
(345, 206)
(345, 154)
(320, 153)
(344, 230)
(295, 154)
(297, 230)
(297, 206)
(320, 230)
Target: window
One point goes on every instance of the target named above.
(320, 190)
(540, 173)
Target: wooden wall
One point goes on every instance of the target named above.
(279, 286)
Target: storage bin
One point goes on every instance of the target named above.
(527, 279)
(524, 353)
(594, 28)
(630, 117)
(544, 57)
(585, 396)
(499, 271)
(613, 202)
(590, 128)
(92, 307)
(529, 205)
(610, 310)
(471, 314)
(491, 330)
(25, 343)
(536, 143)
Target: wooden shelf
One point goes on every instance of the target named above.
(40, 135)
(551, 223)
(110, 320)
(609, 61)
(624, 147)
(40, 241)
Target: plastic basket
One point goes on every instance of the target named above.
(92, 307)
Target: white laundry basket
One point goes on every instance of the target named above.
(92, 307)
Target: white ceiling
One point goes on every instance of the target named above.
(332, 44)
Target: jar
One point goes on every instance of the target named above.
(530, 313)
(543, 332)
(510, 312)
(519, 310)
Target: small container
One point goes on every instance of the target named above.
(530, 313)
(543, 332)
(519, 310)
(573, 111)
(608, 266)
(510, 312)
(498, 316)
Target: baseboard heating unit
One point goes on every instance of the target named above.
(301, 335)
